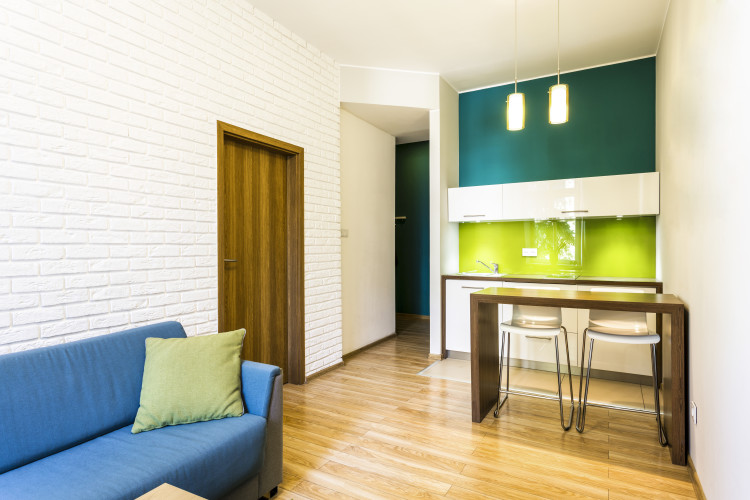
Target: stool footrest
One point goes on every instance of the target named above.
(531, 395)
(620, 408)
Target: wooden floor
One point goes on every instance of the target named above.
(375, 429)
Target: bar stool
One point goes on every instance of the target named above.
(620, 327)
(538, 322)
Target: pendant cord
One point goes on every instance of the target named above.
(558, 42)
(515, 47)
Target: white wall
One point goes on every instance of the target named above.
(108, 163)
(368, 203)
(427, 91)
(390, 87)
(443, 174)
(702, 153)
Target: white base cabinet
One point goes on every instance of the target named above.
(458, 312)
(528, 348)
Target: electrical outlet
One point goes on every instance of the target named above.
(694, 412)
(528, 252)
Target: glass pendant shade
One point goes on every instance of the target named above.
(558, 103)
(516, 111)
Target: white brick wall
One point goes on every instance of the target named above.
(108, 117)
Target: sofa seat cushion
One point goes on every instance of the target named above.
(205, 458)
(56, 397)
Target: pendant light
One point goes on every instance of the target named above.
(558, 94)
(516, 101)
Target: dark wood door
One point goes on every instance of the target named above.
(254, 241)
(261, 246)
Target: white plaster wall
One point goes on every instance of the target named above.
(702, 128)
(368, 202)
(108, 162)
(426, 91)
(390, 87)
(443, 174)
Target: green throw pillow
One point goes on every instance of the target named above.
(189, 380)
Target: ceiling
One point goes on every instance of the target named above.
(405, 124)
(470, 42)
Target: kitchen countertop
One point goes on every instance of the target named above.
(561, 278)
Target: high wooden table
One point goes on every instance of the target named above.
(485, 349)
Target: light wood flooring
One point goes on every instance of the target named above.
(375, 429)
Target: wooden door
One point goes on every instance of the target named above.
(260, 254)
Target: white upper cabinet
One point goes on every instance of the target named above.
(606, 196)
(630, 194)
(542, 199)
(476, 203)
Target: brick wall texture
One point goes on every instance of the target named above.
(108, 116)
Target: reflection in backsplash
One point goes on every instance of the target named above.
(558, 243)
(593, 247)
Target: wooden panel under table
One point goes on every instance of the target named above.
(485, 356)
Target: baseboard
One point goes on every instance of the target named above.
(323, 371)
(411, 316)
(364, 348)
(696, 482)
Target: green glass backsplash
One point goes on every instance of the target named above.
(590, 247)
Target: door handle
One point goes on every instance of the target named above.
(473, 287)
(230, 260)
(574, 211)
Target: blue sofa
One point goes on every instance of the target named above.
(66, 413)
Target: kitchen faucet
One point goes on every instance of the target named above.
(495, 267)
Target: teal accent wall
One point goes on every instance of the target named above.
(413, 237)
(611, 129)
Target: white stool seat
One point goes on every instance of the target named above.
(624, 337)
(531, 330)
(621, 327)
(537, 318)
(618, 322)
(541, 322)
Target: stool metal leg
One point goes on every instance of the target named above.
(662, 436)
(559, 384)
(580, 378)
(559, 388)
(501, 400)
(570, 381)
(582, 409)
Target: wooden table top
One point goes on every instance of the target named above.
(646, 302)
(168, 492)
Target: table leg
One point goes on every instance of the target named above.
(677, 396)
(484, 357)
(659, 355)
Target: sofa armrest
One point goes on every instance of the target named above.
(270, 473)
(257, 386)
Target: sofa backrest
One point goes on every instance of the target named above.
(54, 398)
